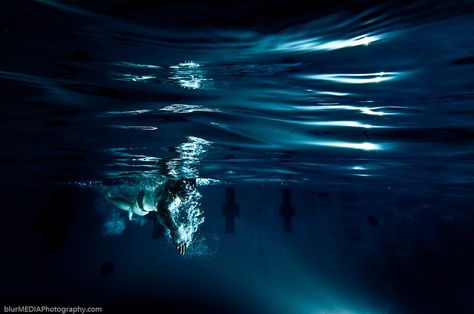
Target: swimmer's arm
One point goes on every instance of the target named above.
(164, 216)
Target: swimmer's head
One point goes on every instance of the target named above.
(182, 187)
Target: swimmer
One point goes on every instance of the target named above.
(170, 194)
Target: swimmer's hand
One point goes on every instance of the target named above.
(181, 246)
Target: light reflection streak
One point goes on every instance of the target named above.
(136, 127)
(355, 78)
(137, 65)
(374, 111)
(190, 155)
(127, 113)
(219, 125)
(133, 77)
(316, 44)
(370, 111)
(337, 94)
(340, 144)
(184, 108)
(189, 75)
(355, 124)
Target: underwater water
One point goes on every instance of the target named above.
(331, 145)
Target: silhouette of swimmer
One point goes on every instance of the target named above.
(170, 194)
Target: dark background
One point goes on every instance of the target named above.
(385, 245)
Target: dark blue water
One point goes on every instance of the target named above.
(332, 144)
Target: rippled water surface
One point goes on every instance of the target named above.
(359, 96)
(371, 93)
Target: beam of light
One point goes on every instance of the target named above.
(357, 78)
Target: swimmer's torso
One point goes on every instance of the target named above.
(146, 201)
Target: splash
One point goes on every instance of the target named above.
(203, 248)
(114, 224)
(188, 216)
